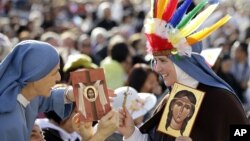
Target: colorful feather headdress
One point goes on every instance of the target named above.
(170, 29)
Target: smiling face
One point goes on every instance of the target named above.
(44, 85)
(165, 67)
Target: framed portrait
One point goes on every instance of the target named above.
(180, 111)
(91, 94)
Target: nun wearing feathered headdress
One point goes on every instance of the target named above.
(27, 76)
(176, 57)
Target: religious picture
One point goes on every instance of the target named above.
(91, 93)
(180, 111)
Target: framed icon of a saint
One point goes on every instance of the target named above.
(180, 111)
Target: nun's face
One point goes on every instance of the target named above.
(44, 85)
(165, 67)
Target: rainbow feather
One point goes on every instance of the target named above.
(169, 11)
(196, 37)
(191, 14)
(179, 13)
(197, 21)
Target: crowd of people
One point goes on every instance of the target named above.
(42, 41)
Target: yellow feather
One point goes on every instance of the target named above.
(196, 37)
(152, 9)
(197, 21)
(161, 6)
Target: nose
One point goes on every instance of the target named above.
(157, 67)
(58, 77)
(182, 108)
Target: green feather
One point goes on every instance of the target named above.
(191, 14)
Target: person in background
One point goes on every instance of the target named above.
(75, 62)
(118, 62)
(56, 129)
(36, 134)
(144, 79)
(138, 105)
(240, 67)
(5, 46)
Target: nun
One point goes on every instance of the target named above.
(27, 77)
(176, 57)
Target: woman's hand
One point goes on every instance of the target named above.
(85, 129)
(107, 125)
(183, 138)
(126, 123)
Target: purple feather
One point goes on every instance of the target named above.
(155, 8)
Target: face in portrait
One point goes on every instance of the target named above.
(90, 93)
(181, 110)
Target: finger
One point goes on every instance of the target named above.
(116, 118)
(111, 99)
(75, 122)
(126, 112)
(86, 124)
(183, 138)
(76, 118)
(111, 93)
(121, 111)
(167, 96)
(108, 115)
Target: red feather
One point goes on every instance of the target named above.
(157, 43)
(169, 10)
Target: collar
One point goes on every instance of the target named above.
(184, 78)
(45, 123)
(22, 100)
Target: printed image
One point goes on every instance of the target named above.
(90, 93)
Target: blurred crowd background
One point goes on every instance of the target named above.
(109, 34)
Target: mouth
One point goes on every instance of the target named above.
(179, 115)
(165, 75)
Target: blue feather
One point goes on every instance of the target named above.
(179, 13)
(213, 1)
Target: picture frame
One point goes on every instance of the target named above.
(91, 93)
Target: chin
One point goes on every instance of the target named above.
(47, 94)
(168, 84)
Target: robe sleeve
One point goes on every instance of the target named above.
(137, 135)
(55, 103)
